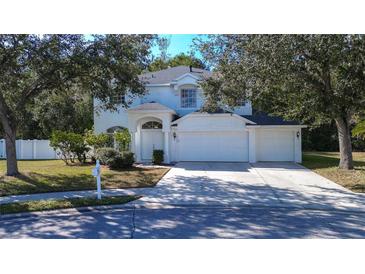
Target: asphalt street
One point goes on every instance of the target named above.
(186, 223)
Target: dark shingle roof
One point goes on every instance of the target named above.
(216, 111)
(259, 118)
(262, 118)
(167, 75)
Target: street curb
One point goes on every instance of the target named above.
(65, 211)
(73, 194)
(248, 206)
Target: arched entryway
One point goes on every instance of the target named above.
(148, 136)
(151, 138)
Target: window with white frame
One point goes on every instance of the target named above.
(188, 98)
(152, 125)
(118, 99)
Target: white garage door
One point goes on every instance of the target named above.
(213, 146)
(275, 145)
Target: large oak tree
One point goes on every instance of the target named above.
(314, 78)
(35, 66)
(181, 59)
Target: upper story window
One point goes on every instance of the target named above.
(188, 98)
(118, 99)
(242, 103)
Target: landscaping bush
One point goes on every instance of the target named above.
(123, 160)
(106, 154)
(157, 157)
(69, 146)
(128, 158)
(98, 140)
(122, 139)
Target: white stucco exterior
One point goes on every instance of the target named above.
(188, 135)
(164, 94)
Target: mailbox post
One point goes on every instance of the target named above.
(96, 173)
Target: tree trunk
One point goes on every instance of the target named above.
(8, 123)
(11, 162)
(344, 138)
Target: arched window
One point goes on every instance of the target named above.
(111, 130)
(152, 125)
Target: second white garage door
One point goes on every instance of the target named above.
(213, 146)
(275, 145)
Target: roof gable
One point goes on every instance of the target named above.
(205, 114)
(151, 107)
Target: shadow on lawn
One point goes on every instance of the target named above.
(40, 183)
(326, 161)
(34, 182)
(358, 188)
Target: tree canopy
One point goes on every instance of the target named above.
(178, 60)
(35, 68)
(314, 78)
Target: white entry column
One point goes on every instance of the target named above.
(134, 146)
(166, 147)
(252, 145)
(133, 141)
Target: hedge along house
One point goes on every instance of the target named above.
(168, 117)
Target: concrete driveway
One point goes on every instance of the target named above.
(242, 184)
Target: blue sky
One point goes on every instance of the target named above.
(179, 43)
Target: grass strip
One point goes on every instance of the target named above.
(41, 176)
(43, 205)
(326, 165)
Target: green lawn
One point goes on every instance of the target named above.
(63, 203)
(40, 176)
(326, 164)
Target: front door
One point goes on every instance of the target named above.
(151, 139)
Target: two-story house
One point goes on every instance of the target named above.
(168, 117)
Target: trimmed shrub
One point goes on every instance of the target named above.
(128, 158)
(123, 160)
(116, 162)
(98, 140)
(69, 146)
(122, 139)
(157, 157)
(106, 154)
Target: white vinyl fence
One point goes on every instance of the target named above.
(30, 149)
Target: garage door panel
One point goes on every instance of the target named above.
(275, 145)
(213, 146)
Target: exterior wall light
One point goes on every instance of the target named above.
(174, 135)
(298, 134)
